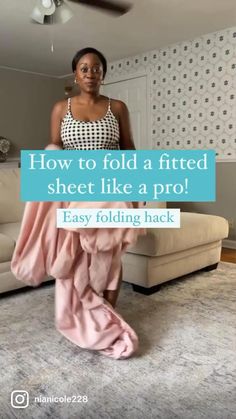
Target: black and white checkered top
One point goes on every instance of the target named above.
(103, 133)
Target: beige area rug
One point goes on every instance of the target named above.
(185, 367)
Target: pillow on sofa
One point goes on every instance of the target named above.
(11, 208)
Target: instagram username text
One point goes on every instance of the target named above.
(61, 399)
(20, 399)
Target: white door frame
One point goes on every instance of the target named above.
(126, 77)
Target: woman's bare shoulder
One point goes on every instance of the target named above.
(118, 107)
(60, 108)
(118, 103)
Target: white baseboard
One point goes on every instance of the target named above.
(229, 244)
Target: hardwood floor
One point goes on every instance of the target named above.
(228, 255)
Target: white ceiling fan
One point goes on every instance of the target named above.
(57, 11)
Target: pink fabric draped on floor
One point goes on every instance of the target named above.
(84, 262)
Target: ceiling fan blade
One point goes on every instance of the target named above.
(117, 8)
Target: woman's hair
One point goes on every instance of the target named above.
(79, 54)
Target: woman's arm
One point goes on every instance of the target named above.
(56, 117)
(126, 137)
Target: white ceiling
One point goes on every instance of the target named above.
(150, 24)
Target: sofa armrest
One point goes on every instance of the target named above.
(195, 230)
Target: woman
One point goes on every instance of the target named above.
(90, 120)
(85, 262)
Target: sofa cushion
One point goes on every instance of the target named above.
(196, 229)
(6, 248)
(11, 229)
(11, 207)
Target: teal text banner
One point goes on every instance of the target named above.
(124, 175)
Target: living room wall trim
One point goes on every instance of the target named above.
(229, 244)
(2, 67)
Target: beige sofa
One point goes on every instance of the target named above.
(161, 255)
(11, 211)
(166, 254)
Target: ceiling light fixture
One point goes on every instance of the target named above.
(51, 11)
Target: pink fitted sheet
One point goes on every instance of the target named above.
(84, 263)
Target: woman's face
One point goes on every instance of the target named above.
(89, 73)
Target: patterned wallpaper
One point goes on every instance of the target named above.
(192, 92)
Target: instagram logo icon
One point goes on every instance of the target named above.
(20, 399)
